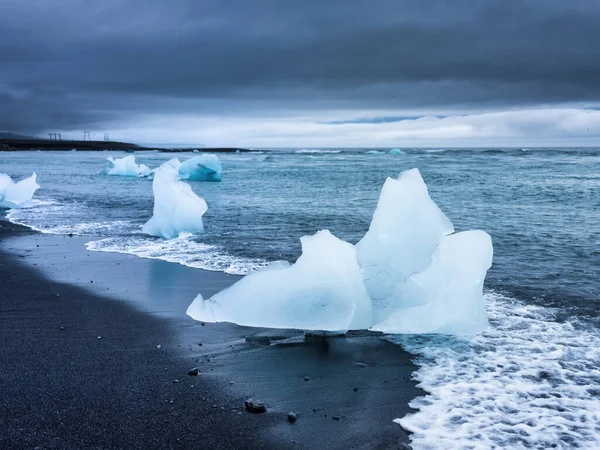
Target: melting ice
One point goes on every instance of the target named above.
(126, 167)
(17, 195)
(323, 290)
(177, 208)
(201, 168)
(409, 274)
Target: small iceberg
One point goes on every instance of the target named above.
(177, 208)
(201, 168)
(126, 167)
(17, 195)
(396, 151)
(410, 273)
(323, 290)
(374, 152)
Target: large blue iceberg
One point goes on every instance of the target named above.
(409, 274)
(17, 195)
(201, 168)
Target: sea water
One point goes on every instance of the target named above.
(532, 380)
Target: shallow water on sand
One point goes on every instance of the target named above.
(541, 206)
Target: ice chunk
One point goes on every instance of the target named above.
(396, 151)
(126, 167)
(17, 195)
(447, 297)
(176, 207)
(374, 152)
(323, 290)
(205, 167)
(406, 229)
(409, 274)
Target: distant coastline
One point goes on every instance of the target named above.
(14, 144)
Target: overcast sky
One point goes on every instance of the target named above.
(304, 73)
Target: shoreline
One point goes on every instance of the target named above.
(69, 387)
(32, 145)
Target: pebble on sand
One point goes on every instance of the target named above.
(255, 406)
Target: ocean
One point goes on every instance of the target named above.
(532, 380)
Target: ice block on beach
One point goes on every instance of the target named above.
(406, 228)
(177, 208)
(17, 195)
(446, 297)
(323, 290)
(410, 273)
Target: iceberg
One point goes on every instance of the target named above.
(323, 290)
(406, 228)
(177, 208)
(201, 168)
(410, 273)
(17, 195)
(126, 167)
(396, 151)
(447, 296)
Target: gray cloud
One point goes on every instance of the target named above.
(75, 63)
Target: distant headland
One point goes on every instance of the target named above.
(14, 142)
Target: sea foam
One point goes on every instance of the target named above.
(528, 381)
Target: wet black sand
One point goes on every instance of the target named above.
(68, 388)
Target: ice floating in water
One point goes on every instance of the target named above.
(17, 195)
(323, 290)
(409, 274)
(373, 152)
(126, 167)
(396, 151)
(406, 228)
(201, 168)
(176, 207)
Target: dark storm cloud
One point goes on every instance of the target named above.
(70, 63)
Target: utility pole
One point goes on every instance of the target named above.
(106, 137)
(86, 136)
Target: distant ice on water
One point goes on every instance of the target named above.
(126, 167)
(205, 167)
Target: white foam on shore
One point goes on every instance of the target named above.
(123, 236)
(45, 220)
(526, 382)
(182, 250)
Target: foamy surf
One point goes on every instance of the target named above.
(182, 250)
(526, 382)
(316, 151)
(42, 217)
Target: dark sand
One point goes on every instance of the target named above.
(69, 389)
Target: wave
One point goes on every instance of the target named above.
(527, 382)
(183, 250)
(122, 236)
(311, 151)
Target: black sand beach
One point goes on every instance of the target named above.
(96, 348)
